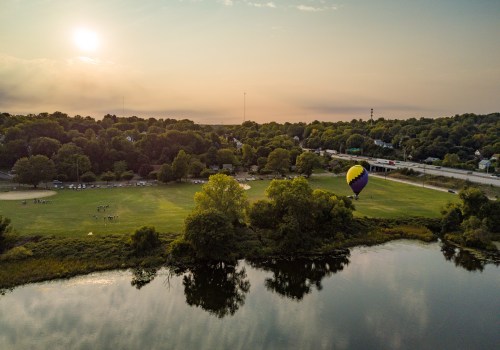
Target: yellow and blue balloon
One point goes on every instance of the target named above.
(357, 178)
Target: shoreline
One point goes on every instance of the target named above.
(46, 258)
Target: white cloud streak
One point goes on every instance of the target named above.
(258, 4)
(307, 8)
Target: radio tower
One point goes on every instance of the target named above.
(371, 115)
(244, 106)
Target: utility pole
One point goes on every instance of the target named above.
(371, 115)
(244, 106)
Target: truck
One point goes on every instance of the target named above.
(385, 161)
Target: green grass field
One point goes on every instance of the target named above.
(73, 213)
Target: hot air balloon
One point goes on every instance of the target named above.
(357, 178)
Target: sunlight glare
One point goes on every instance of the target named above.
(86, 40)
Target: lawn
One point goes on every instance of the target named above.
(74, 213)
(389, 199)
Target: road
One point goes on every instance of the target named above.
(472, 176)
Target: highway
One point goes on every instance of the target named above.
(472, 176)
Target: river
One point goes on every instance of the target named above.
(400, 295)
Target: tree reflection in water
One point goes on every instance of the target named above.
(142, 276)
(462, 258)
(218, 288)
(297, 277)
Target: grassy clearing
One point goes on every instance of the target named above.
(388, 199)
(73, 213)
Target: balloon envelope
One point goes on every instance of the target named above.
(357, 178)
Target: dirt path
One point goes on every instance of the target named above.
(17, 195)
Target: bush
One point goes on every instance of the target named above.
(4, 228)
(16, 253)
(205, 173)
(145, 239)
(88, 177)
(181, 249)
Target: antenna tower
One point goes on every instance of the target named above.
(244, 106)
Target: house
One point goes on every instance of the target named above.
(431, 159)
(383, 144)
(228, 167)
(484, 164)
(238, 143)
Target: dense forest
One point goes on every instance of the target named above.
(82, 148)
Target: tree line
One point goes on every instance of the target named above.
(84, 149)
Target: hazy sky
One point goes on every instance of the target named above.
(296, 60)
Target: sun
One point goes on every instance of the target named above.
(86, 40)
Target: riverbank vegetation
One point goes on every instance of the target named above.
(474, 222)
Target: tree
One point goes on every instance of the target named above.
(451, 218)
(127, 175)
(225, 156)
(180, 165)
(224, 194)
(144, 170)
(476, 233)
(4, 228)
(108, 176)
(473, 202)
(196, 167)
(279, 161)
(88, 177)
(248, 154)
(144, 240)
(166, 174)
(45, 146)
(306, 162)
(210, 233)
(119, 168)
(355, 141)
(71, 162)
(451, 160)
(211, 156)
(34, 170)
(296, 215)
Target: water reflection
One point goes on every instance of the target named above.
(462, 258)
(217, 288)
(296, 278)
(143, 276)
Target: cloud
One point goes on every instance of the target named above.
(227, 2)
(308, 8)
(258, 4)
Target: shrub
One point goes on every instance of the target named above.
(4, 228)
(16, 253)
(205, 173)
(145, 239)
(88, 177)
(181, 249)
